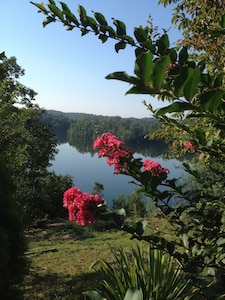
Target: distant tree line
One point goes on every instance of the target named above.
(80, 130)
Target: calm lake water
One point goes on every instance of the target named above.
(86, 170)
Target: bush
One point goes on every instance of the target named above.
(143, 274)
(133, 204)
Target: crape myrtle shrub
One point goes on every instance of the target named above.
(12, 242)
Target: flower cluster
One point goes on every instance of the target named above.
(154, 167)
(81, 206)
(172, 69)
(189, 146)
(117, 154)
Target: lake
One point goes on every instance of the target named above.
(86, 169)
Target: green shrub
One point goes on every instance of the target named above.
(133, 204)
(144, 274)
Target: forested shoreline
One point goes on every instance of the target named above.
(80, 130)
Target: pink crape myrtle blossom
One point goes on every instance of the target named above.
(117, 154)
(154, 167)
(189, 146)
(81, 206)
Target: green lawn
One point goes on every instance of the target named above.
(62, 257)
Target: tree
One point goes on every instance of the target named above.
(133, 204)
(98, 188)
(27, 143)
(202, 24)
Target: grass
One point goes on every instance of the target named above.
(62, 254)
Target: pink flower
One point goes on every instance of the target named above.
(81, 206)
(189, 146)
(117, 154)
(154, 167)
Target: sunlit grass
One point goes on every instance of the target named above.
(62, 255)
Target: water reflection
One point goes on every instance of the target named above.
(145, 147)
(87, 168)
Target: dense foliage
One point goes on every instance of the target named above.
(12, 240)
(28, 145)
(202, 29)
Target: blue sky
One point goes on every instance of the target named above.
(68, 71)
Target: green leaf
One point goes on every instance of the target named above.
(139, 51)
(173, 55)
(48, 20)
(110, 30)
(211, 100)
(192, 83)
(174, 108)
(119, 76)
(221, 241)
(139, 227)
(81, 11)
(163, 44)
(208, 271)
(64, 6)
(141, 90)
(200, 134)
(69, 15)
(56, 11)
(181, 80)
(183, 56)
(89, 21)
(129, 39)
(120, 45)
(71, 18)
(159, 71)
(123, 76)
(93, 295)
(144, 66)
(223, 21)
(84, 31)
(103, 37)
(207, 80)
(100, 18)
(148, 44)
(133, 294)
(219, 80)
(185, 240)
(141, 34)
(120, 27)
(40, 6)
(201, 65)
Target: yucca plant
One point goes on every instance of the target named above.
(143, 274)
